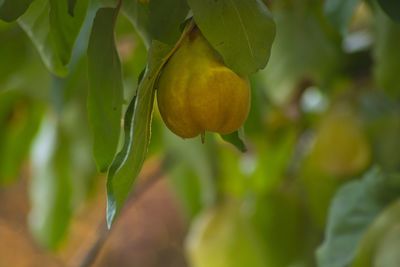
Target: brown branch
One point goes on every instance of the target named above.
(103, 233)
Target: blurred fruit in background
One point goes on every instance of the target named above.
(340, 147)
(222, 237)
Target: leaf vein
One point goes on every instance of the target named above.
(243, 27)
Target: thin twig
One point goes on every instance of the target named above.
(103, 233)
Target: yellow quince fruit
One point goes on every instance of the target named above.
(197, 92)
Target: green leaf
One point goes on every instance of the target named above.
(340, 12)
(11, 10)
(64, 28)
(129, 161)
(35, 22)
(105, 95)
(354, 207)
(236, 139)
(157, 20)
(381, 115)
(379, 245)
(138, 14)
(166, 18)
(96, 4)
(51, 187)
(71, 7)
(391, 8)
(53, 31)
(14, 54)
(293, 59)
(386, 54)
(241, 31)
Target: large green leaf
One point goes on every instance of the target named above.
(53, 31)
(354, 207)
(158, 19)
(10, 10)
(391, 8)
(126, 166)
(105, 95)
(35, 23)
(339, 12)
(20, 65)
(129, 161)
(65, 28)
(241, 31)
(14, 54)
(166, 18)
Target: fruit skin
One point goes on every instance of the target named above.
(196, 92)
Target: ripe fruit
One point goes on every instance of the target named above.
(196, 92)
(222, 237)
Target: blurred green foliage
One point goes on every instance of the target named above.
(318, 183)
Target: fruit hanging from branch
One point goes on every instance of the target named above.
(197, 92)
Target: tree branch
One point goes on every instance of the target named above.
(103, 233)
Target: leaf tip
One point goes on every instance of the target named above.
(111, 211)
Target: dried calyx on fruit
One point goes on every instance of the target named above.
(197, 92)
